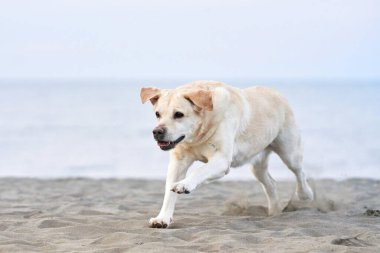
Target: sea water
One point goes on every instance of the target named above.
(100, 129)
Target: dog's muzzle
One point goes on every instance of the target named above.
(167, 145)
(159, 134)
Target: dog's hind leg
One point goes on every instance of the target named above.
(260, 170)
(289, 148)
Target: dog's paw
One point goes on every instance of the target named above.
(274, 210)
(182, 187)
(160, 222)
(305, 194)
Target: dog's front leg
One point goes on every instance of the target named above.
(176, 171)
(217, 167)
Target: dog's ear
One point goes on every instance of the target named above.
(201, 99)
(152, 94)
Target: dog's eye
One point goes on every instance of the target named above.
(158, 115)
(178, 115)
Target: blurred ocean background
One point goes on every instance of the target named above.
(100, 129)
(71, 71)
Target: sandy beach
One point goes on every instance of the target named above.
(85, 215)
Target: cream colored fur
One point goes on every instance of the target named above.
(225, 127)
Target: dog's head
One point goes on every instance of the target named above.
(179, 113)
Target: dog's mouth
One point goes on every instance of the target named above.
(167, 145)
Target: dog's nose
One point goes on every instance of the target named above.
(159, 132)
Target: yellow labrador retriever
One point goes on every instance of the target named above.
(223, 127)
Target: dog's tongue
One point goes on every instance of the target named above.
(163, 143)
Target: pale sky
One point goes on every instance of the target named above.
(206, 39)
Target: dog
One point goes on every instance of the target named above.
(223, 127)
